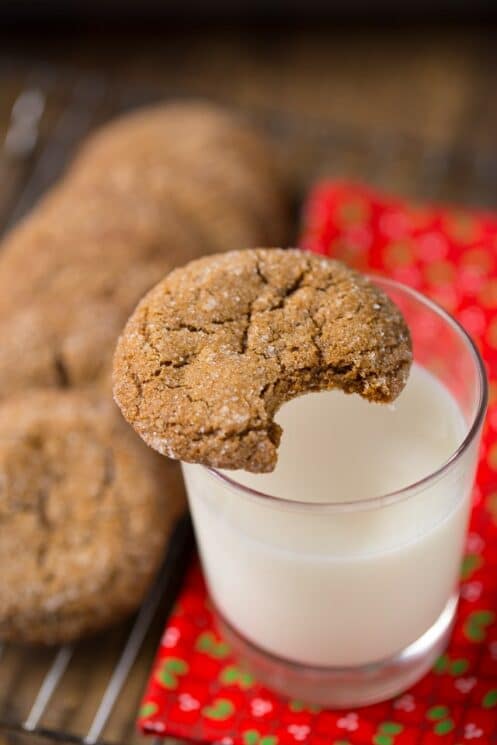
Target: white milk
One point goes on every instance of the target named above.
(343, 587)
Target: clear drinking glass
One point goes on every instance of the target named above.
(316, 613)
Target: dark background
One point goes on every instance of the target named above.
(435, 79)
(260, 10)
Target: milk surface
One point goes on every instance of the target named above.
(345, 587)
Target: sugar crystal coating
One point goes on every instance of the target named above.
(212, 351)
(89, 506)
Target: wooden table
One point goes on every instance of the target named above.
(431, 82)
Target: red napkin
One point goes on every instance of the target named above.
(196, 690)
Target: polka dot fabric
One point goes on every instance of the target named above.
(196, 691)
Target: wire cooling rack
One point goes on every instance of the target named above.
(89, 693)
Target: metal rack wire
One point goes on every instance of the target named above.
(88, 693)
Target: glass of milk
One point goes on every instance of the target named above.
(334, 578)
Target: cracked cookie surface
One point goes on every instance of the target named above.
(85, 513)
(214, 350)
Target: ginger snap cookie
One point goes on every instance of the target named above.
(88, 502)
(211, 159)
(191, 131)
(92, 509)
(148, 192)
(85, 233)
(65, 336)
(212, 352)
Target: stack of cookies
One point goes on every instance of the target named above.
(88, 503)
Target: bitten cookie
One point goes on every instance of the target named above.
(85, 513)
(214, 350)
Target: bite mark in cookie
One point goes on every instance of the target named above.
(213, 351)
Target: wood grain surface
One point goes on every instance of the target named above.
(432, 82)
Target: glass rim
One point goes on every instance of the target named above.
(413, 488)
